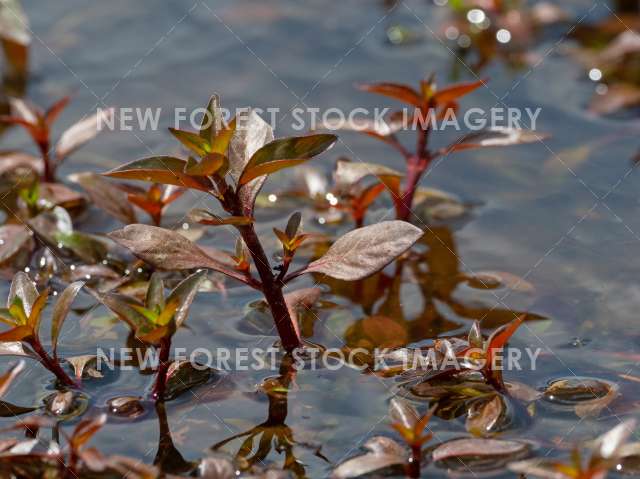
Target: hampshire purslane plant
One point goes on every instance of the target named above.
(235, 159)
(427, 106)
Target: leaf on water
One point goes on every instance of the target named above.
(587, 396)
(167, 170)
(82, 132)
(459, 448)
(400, 92)
(106, 196)
(12, 410)
(184, 375)
(483, 417)
(85, 366)
(14, 348)
(383, 452)
(8, 377)
(126, 406)
(66, 405)
(364, 251)
(61, 311)
(495, 137)
(284, 153)
(349, 172)
(167, 249)
(492, 279)
(13, 240)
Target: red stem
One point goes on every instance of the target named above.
(49, 363)
(163, 366)
(49, 174)
(413, 468)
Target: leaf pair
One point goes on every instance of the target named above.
(290, 237)
(25, 306)
(410, 425)
(158, 317)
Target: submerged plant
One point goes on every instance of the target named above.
(235, 160)
(38, 123)
(23, 314)
(427, 105)
(155, 321)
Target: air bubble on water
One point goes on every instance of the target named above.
(321, 220)
(185, 226)
(27, 269)
(72, 267)
(139, 270)
(272, 198)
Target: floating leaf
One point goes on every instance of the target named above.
(364, 251)
(384, 452)
(493, 279)
(184, 375)
(126, 406)
(484, 416)
(284, 153)
(85, 366)
(461, 448)
(83, 131)
(106, 196)
(167, 170)
(587, 396)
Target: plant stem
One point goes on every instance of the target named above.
(272, 290)
(416, 166)
(49, 173)
(163, 366)
(413, 468)
(49, 363)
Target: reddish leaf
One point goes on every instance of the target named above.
(284, 153)
(495, 137)
(365, 251)
(7, 378)
(83, 131)
(61, 311)
(453, 92)
(192, 141)
(106, 196)
(160, 169)
(397, 91)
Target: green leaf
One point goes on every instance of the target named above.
(61, 311)
(211, 120)
(167, 170)
(36, 311)
(192, 141)
(209, 165)
(22, 287)
(155, 293)
(184, 294)
(220, 144)
(284, 153)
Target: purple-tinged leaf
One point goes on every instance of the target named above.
(61, 311)
(106, 196)
(82, 132)
(22, 286)
(365, 251)
(8, 377)
(167, 249)
(477, 447)
(495, 137)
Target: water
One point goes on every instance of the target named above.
(565, 220)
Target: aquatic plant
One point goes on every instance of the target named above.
(38, 123)
(23, 313)
(427, 105)
(235, 160)
(155, 321)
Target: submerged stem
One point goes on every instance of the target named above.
(163, 367)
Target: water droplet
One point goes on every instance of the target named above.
(27, 269)
(503, 35)
(272, 198)
(60, 245)
(139, 270)
(72, 267)
(595, 74)
(321, 220)
(55, 293)
(475, 15)
(185, 226)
